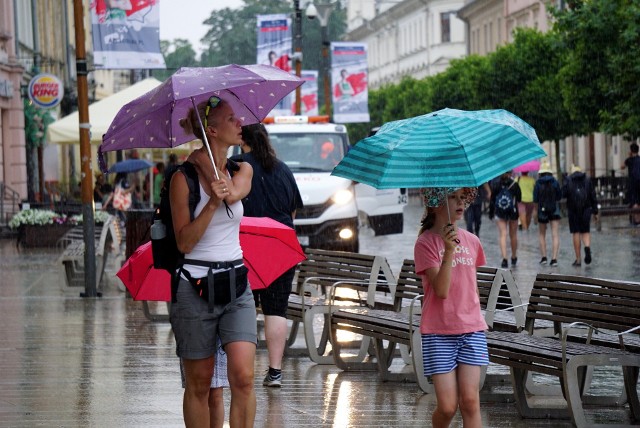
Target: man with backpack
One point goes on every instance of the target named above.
(505, 195)
(632, 163)
(546, 194)
(581, 204)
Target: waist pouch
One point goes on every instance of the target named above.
(218, 288)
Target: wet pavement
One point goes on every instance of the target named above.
(68, 361)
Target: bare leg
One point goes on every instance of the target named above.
(275, 331)
(216, 407)
(586, 239)
(542, 238)
(513, 235)
(468, 386)
(502, 237)
(555, 238)
(446, 398)
(522, 214)
(195, 405)
(241, 358)
(576, 245)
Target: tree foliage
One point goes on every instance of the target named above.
(177, 53)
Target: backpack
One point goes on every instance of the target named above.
(163, 239)
(634, 171)
(578, 197)
(505, 202)
(547, 198)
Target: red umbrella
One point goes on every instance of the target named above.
(269, 249)
(143, 281)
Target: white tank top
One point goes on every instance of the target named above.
(220, 241)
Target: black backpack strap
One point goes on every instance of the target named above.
(191, 175)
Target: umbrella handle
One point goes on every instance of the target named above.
(206, 140)
(457, 241)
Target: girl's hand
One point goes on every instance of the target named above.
(450, 237)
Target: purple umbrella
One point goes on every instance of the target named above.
(152, 120)
(530, 166)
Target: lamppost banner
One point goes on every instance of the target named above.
(274, 48)
(349, 75)
(126, 34)
(309, 93)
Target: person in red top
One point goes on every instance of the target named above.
(454, 345)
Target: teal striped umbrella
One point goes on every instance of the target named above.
(446, 148)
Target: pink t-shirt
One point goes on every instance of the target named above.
(460, 312)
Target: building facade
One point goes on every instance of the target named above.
(414, 38)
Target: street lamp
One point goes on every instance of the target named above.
(297, 48)
(323, 11)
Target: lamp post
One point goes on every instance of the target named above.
(323, 12)
(297, 48)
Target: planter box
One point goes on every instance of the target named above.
(41, 236)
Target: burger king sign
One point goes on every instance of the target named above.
(46, 90)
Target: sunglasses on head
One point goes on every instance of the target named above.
(212, 103)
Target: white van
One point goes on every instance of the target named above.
(311, 147)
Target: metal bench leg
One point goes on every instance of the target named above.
(154, 317)
(351, 362)
(424, 383)
(518, 379)
(317, 350)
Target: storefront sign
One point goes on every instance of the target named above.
(46, 90)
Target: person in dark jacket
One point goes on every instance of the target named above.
(548, 187)
(274, 194)
(507, 216)
(581, 205)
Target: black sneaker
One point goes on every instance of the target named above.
(505, 263)
(587, 255)
(543, 261)
(514, 261)
(553, 263)
(576, 263)
(273, 380)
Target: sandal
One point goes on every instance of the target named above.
(576, 263)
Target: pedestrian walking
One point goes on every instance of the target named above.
(274, 194)
(581, 204)
(547, 194)
(473, 214)
(209, 238)
(454, 345)
(505, 195)
(632, 164)
(526, 206)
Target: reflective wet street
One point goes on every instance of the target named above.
(68, 361)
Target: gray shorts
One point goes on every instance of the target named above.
(196, 329)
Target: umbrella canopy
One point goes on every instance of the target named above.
(130, 165)
(530, 166)
(446, 148)
(143, 281)
(152, 120)
(269, 249)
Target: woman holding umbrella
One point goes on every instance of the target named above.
(211, 247)
(454, 345)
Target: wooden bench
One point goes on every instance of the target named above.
(400, 325)
(575, 306)
(318, 274)
(108, 239)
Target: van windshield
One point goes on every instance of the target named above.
(309, 152)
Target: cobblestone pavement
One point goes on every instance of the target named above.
(68, 361)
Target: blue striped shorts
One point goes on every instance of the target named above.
(441, 353)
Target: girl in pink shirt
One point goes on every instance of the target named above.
(454, 345)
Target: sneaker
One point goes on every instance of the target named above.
(587, 255)
(514, 261)
(543, 261)
(576, 263)
(273, 380)
(553, 263)
(505, 263)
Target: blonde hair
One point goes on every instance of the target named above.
(190, 123)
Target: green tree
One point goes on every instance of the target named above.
(462, 85)
(177, 53)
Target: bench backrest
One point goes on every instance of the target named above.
(563, 299)
(323, 268)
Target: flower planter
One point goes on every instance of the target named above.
(41, 236)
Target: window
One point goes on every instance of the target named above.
(445, 27)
